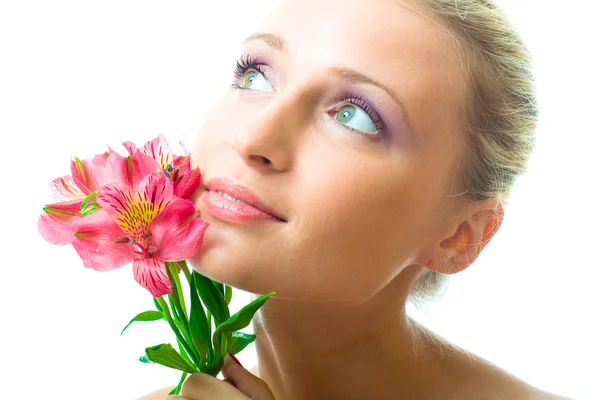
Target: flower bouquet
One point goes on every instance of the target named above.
(115, 210)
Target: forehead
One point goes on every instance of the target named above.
(382, 39)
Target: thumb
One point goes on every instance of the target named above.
(244, 381)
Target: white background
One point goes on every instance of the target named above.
(76, 76)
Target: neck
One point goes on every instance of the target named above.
(314, 351)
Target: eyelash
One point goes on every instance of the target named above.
(247, 62)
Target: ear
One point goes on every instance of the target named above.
(468, 236)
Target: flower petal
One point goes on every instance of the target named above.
(130, 147)
(99, 160)
(143, 165)
(54, 231)
(115, 199)
(159, 150)
(151, 273)
(99, 260)
(188, 184)
(176, 232)
(56, 222)
(115, 169)
(96, 241)
(65, 188)
(182, 162)
(87, 176)
(130, 170)
(66, 211)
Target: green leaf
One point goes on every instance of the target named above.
(146, 360)
(241, 319)
(240, 341)
(219, 286)
(145, 317)
(199, 330)
(216, 364)
(228, 294)
(165, 354)
(221, 344)
(212, 297)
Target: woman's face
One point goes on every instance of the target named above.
(359, 206)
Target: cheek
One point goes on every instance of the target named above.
(351, 237)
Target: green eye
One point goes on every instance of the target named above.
(256, 78)
(350, 114)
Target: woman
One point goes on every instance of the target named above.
(377, 141)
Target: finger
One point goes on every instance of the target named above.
(201, 386)
(246, 382)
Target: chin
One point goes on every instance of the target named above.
(217, 265)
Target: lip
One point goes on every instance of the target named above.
(240, 192)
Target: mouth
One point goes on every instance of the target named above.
(238, 194)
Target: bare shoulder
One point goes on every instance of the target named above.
(549, 396)
(500, 384)
(465, 375)
(159, 394)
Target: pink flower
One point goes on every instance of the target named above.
(70, 191)
(56, 222)
(88, 175)
(76, 193)
(130, 170)
(177, 168)
(147, 224)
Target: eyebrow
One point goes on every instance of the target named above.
(278, 43)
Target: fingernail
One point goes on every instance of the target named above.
(235, 359)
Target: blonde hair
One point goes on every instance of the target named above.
(500, 107)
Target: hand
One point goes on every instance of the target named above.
(244, 385)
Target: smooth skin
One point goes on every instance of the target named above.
(363, 216)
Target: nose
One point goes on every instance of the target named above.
(270, 140)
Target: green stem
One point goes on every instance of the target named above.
(209, 319)
(167, 313)
(210, 344)
(184, 353)
(183, 325)
(177, 292)
(175, 302)
(186, 271)
(177, 388)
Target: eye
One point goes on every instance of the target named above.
(250, 72)
(358, 116)
(358, 112)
